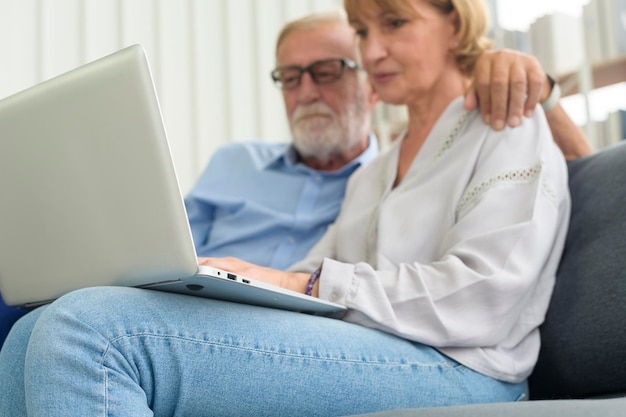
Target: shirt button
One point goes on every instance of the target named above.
(291, 240)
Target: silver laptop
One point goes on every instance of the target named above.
(89, 195)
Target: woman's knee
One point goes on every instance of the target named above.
(94, 302)
(85, 309)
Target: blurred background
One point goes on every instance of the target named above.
(211, 60)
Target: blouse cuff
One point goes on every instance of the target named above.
(336, 281)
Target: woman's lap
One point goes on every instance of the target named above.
(125, 351)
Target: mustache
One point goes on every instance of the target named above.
(315, 109)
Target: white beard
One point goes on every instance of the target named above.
(319, 132)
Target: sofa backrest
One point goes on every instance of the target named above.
(583, 351)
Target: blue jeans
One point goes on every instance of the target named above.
(130, 352)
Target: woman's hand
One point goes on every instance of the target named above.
(294, 281)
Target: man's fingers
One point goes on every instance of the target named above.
(536, 82)
(481, 86)
(517, 95)
(499, 95)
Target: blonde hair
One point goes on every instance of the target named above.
(311, 21)
(473, 22)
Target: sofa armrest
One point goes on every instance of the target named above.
(583, 351)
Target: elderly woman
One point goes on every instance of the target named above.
(445, 254)
(460, 227)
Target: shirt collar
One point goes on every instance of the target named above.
(290, 158)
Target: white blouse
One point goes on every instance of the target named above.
(462, 254)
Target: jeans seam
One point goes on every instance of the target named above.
(441, 364)
(105, 378)
(105, 412)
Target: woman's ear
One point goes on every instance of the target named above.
(455, 28)
(456, 21)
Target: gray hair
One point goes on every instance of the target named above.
(337, 16)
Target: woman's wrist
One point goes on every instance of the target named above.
(313, 282)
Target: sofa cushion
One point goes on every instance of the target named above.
(583, 351)
(559, 408)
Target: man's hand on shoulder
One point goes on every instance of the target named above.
(506, 86)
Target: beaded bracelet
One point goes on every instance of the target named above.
(312, 280)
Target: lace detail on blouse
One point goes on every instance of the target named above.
(520, 176)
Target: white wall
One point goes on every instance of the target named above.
(210, 60)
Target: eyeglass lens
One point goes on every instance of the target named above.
(322, 72)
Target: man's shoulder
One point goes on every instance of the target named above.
(245, 160)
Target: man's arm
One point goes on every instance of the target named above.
(569, 137)
(508, 85)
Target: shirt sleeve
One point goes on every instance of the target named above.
(200, 215)
(200, 211)
(471, 297)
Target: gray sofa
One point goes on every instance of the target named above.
(581, 369)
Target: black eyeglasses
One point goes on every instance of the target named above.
(322, 72)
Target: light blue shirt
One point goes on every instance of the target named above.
(257, 202)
